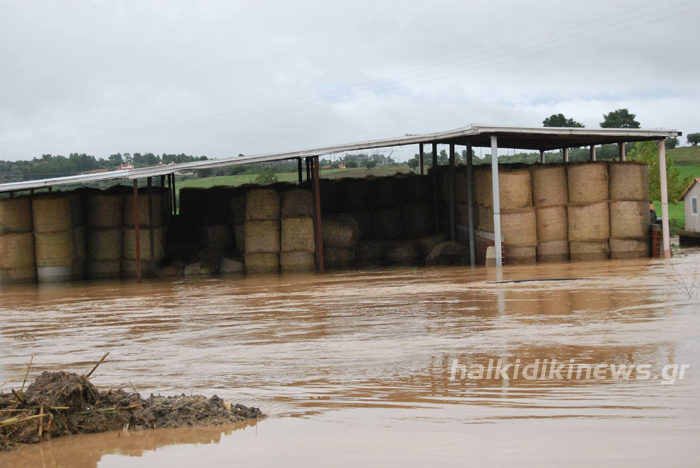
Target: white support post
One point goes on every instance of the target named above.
(621, 150)
(470, 207)
(541, 156)
(593, 153)
(496, 201)
(566, 155)
(665, 226)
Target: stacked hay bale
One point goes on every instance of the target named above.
(550, 195)
(262, 231)
(79, 234)
(237, 206)
(17, 263)
(518, 216)
(297, 231)
(160, 215)
(340, 236)
(217, 229)
(588, 213)
(629, 210)
(52, 218)
(104, 216)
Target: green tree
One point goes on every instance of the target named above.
(266, 176)
(351, 164)
(413, 163)
(620, 118)
(671, 142)
(648, 152)
(370, 164)
(559, 120)
(693, 138)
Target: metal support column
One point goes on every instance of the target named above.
(308, 170)
(137, 232)
(174, 195)
(665, 226)
(170, 189)
(299, 168)
(496, 201)
(421, 158)
(541, 156)
(470, 207)
(435, 189)
(151, 234)
(318, 228)
(566, 155)
(621, 150)
(452, 192)
(593, 158)
(162, 181)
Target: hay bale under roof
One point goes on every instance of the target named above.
(519, 228)
(630, 219)
(297, 203)
(145, 243)
(337, 258)
(261, 263)
(515, 185)
(105, 209)
(52, 213)
(552, 224)
(262, 205)
(370, 252)
(520, 255)
(298, 235)
(549, 185)
(553, 251)
(418, 220)
(17, 251)
(105, 244)
(339, 233)
(589, 251)
(589, 222)
(54, 249)
(403, 252)
(630, 248)
(297, 261)
(588, 182)
(387, 223)
(262, 236)
(237, 204)
(354, 193)
(15, 215)
(104, 269)
(629, 181)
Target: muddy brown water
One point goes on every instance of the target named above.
(354, 367)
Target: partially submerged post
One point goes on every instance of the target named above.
(150, 225)
(470, 206)
(318, 228)
(452, 192)
(436, 206)
(496, 201)
(299, 169)
(665, 226)
(137, 231)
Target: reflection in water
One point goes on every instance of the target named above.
(372, 350)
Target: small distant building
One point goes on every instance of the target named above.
(127, 167)
(691, 197)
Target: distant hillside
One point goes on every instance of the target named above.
(685, 156)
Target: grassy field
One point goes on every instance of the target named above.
(685, 156)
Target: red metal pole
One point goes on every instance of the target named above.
(317, 215)
(137, 231)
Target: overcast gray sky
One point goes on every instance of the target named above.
(221, 78)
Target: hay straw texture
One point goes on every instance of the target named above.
(483, 186)
(80, 243)
(415, 189)
(485, 216)
(462, 214)
(588, 251)
(297, 203)
(105, 209)
(549, 185)
(262, 237)
(105, 244)
(145, 243)
(552, 224)
(161, 208)
(588, 182)
(104, 269)
(387, 223)
(53, 249)
(403, 252)
(338, 233)
(629, 181)
(334, 258)
(15, 215)
(259, 263)
(219, 236)
(461, 187)
(77, 201)
(553, 251)
(298, 235)
(385, 192)
(18, 276)
(370, 251)
(519, 228)
(418, 220)
(354, 194)
(297, 261)
(363, 218)
(262, 205)
(515, 185)
(17, 251)
(629, 248)
(237, 204)
(589, 222)
(52, 213)
(520, 255)
(629, 219)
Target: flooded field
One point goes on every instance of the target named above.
(354, 368)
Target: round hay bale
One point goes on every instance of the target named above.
(297, 203)
(549, 185)
(448, 253)
(18, 276)
(109, 269)
(553, 251)
(515, 184)
(340, 231)
(328, 196)
(239, 236)
(298, 235)
(194, 202)
(519, 228)
(334, 258)
(262, 205)
(54, 249)
(55, 274)
(629, 181)
(77, 202)
(79, 252)
(17, 251)
(105, 244)
(218, 236)
(483, 186)
(629, 219)
(370, 252)
(145, 243)
(354, 193)
(418, 220)
(588, 182)
(415, 189)
(552, 224)
(403, 252)
(629, 248)
(161, 207)
(462, 214)
(363, 218)
(264, 262)
(485, 215)
(105, 209)
(428, 243)
(15, 215)
(52, 213)
(297, 261)
(461, 195)
(148, 269)
(520, 255)
(588, 251)
(589, 222)
(237, 204)
(262, 236)
(387, 223)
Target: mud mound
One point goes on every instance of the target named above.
(63, 403)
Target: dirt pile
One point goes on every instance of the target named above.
(63, 403)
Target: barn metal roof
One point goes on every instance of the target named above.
(478, 135)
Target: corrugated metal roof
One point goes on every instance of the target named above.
(546, 138)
